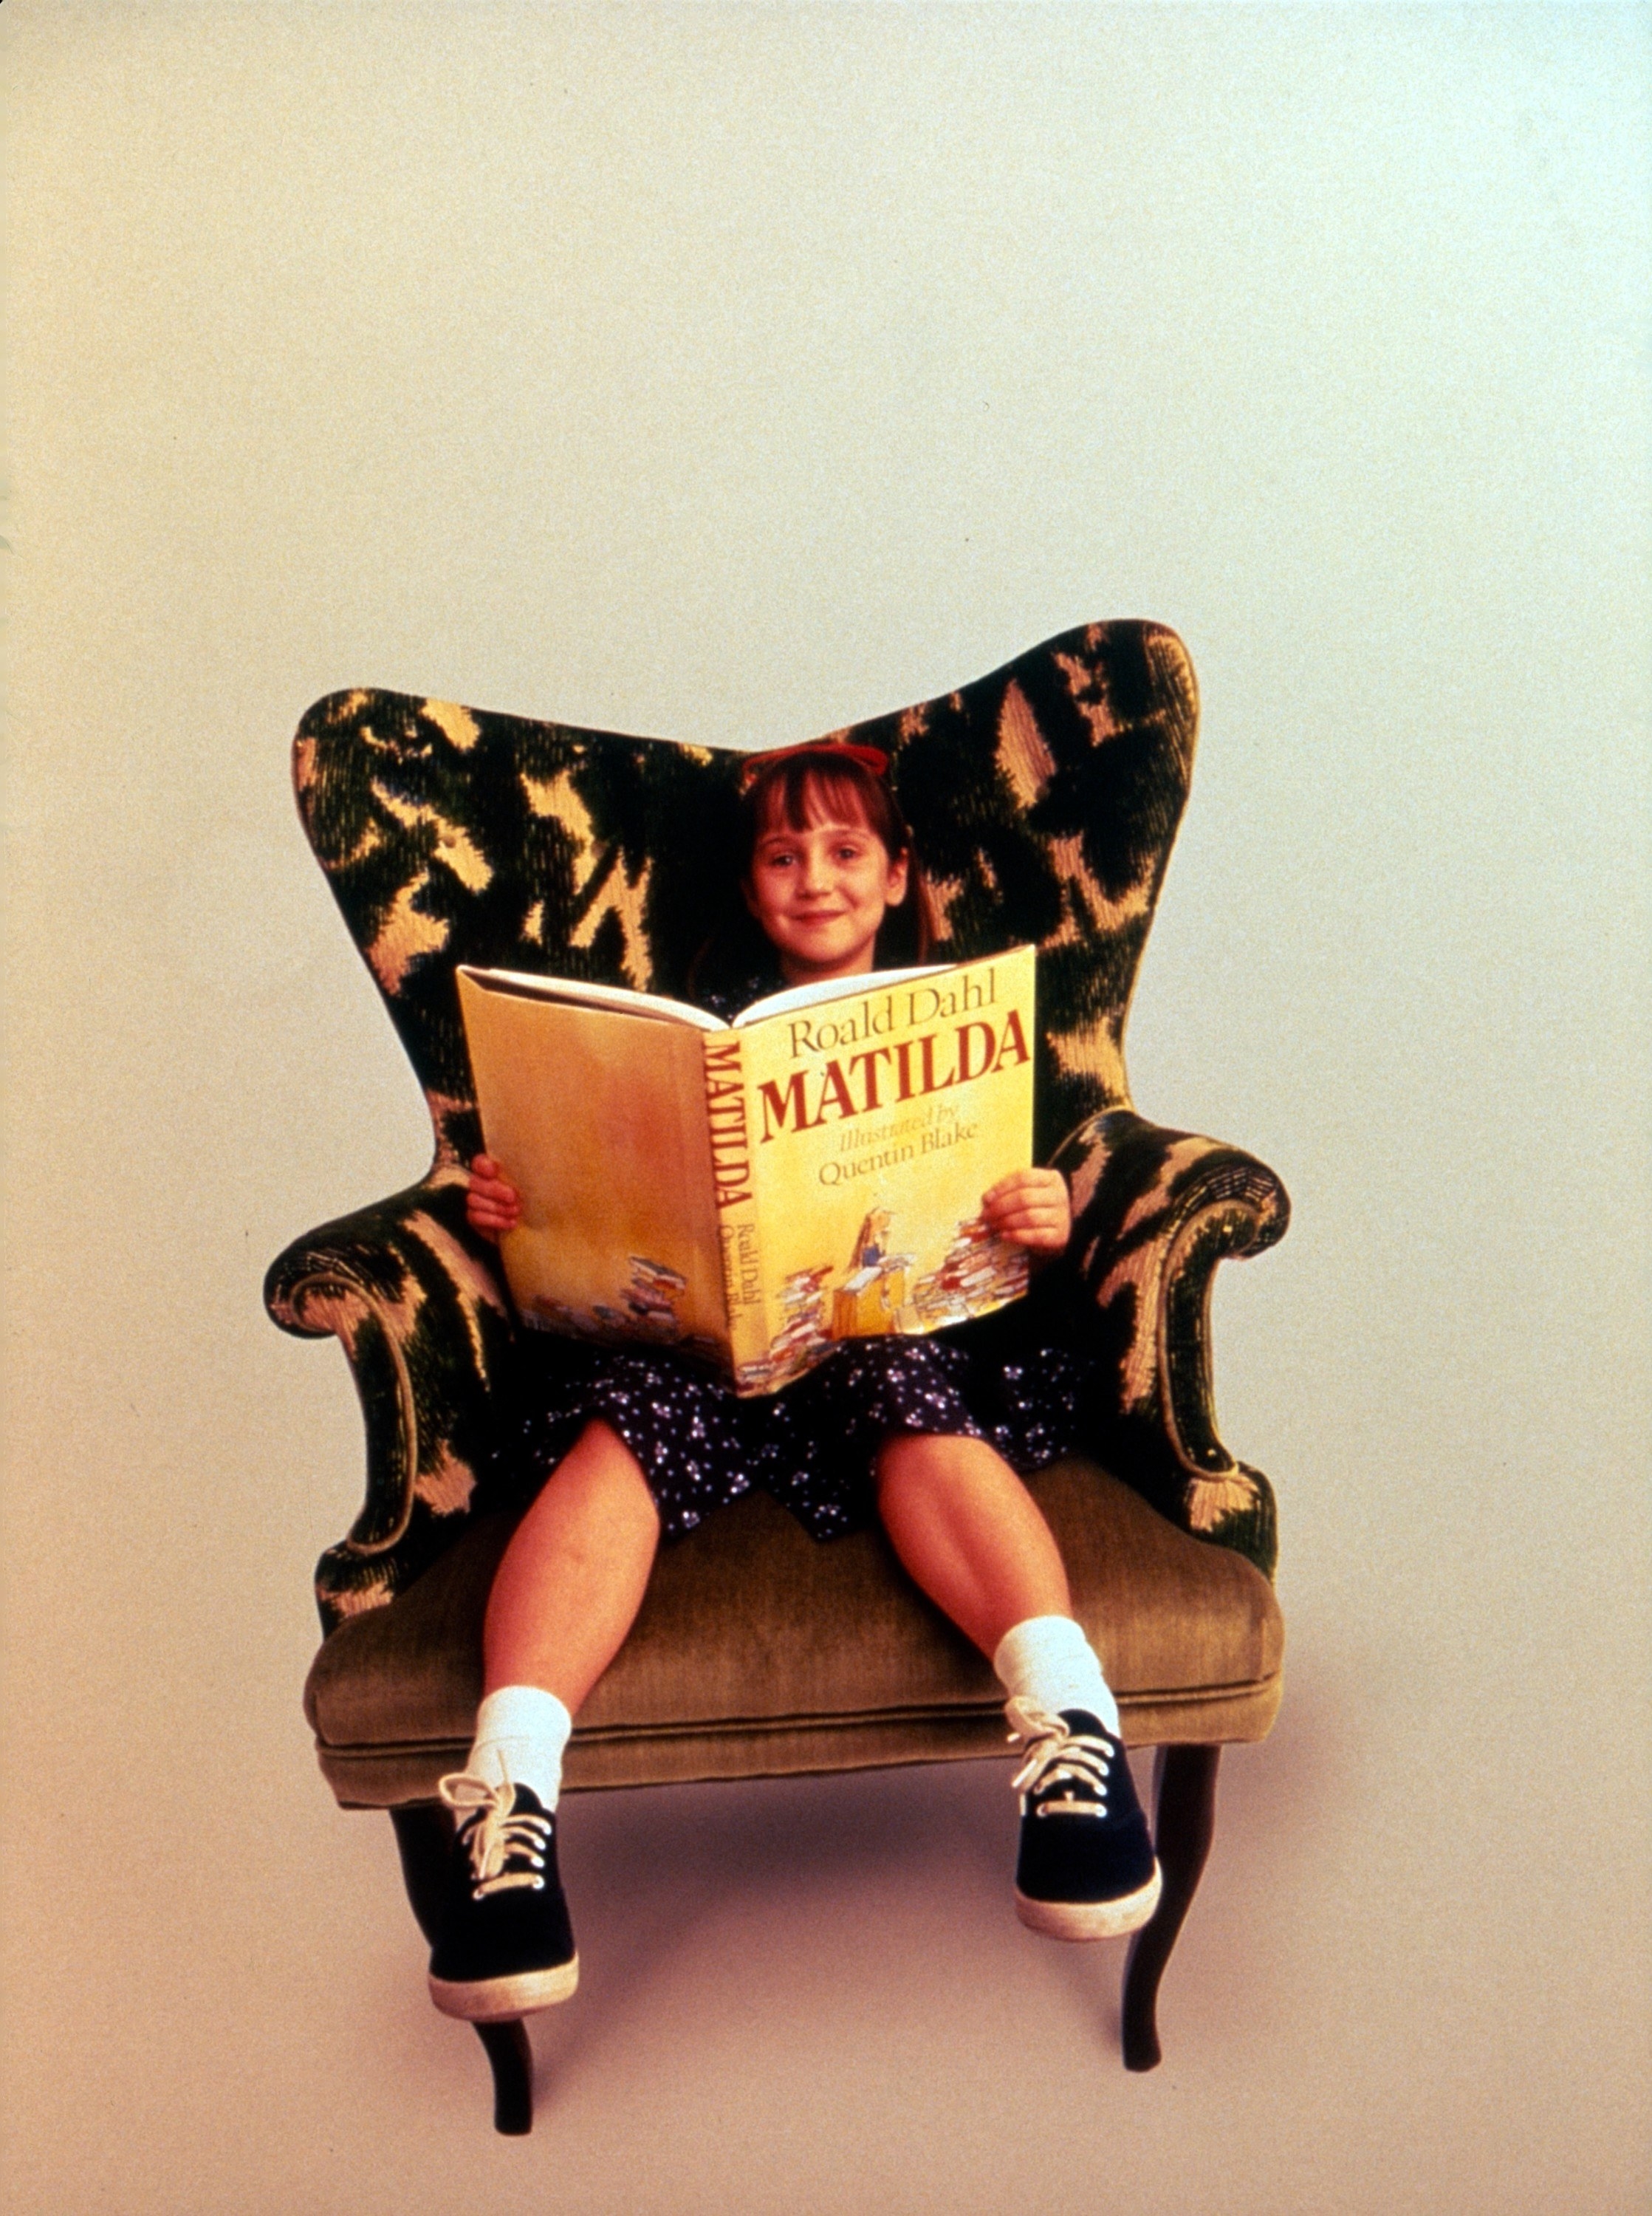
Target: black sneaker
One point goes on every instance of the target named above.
(506, 1945)
(1086, 1868)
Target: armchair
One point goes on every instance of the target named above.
(1044, 800)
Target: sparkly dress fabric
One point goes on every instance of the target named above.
(1009, 1378)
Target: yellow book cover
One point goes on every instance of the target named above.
(755, 1191)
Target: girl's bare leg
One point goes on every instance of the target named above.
(969, 1534)
(972, 1535)
(575, 1573)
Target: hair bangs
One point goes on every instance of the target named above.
(800, 792)
(823, 788)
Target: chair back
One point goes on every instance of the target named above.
(1043, 802)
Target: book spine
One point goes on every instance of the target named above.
(729, 1118)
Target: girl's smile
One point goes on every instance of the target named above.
(820, 895)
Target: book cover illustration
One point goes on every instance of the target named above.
(754, 1192)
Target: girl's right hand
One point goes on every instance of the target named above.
(493, 1206)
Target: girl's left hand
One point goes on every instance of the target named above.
(1032, 1209)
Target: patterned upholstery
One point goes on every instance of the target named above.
(1043, 799)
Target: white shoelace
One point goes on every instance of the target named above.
(493, 1837)
(1054, 1755)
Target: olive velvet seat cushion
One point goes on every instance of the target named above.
(760, 1652)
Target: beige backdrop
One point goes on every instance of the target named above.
(732, 373)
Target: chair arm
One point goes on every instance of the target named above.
(416, 1299)
(1154, 1211)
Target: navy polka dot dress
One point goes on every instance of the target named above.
(1007, 1378)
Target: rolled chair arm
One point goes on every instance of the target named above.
(416, 1299)
(1154, 1211)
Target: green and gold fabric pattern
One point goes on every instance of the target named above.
(1043, 799)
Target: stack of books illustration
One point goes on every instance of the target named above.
(803, 1336)
(978, 1272)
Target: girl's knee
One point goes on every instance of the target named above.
(600, 1463)
(903, 1451)
(939, 1456)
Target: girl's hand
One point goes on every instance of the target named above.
(492, 1206)
(1032, 1209)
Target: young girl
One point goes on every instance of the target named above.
(627, 1445)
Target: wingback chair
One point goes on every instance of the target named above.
(1043, 800)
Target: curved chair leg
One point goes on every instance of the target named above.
(423, 1838)
(1184, 1819)
(512, 2058)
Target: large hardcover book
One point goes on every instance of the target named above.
(755, 1191)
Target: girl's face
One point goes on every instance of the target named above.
(821, 893)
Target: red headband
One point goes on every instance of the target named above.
(870, 758)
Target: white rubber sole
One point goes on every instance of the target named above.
(501, 2000)
(1091, 1920)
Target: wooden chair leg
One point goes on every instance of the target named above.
(512, 2060)
(1184, 1819)
(423, 1838)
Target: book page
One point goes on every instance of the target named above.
(598, 1120)
(583, 993)
(877, 1121)
(827, 988)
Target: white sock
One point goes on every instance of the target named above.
(521, 1733)
(1048, 1660)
